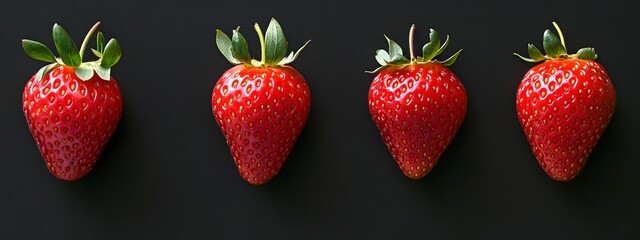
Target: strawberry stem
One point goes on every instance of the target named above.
(86, 39)
(411, 33)
(262, 44)
(559, 34)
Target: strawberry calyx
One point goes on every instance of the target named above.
(108, 54)
(395, 57)
(555, 49)
(273, 47)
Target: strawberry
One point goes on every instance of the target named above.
(564, 105)
(418, 104)
(260, 106)
(71, 111)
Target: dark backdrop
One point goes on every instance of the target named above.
(167, 172)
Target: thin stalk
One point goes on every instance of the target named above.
(86, 39)
(262, 44)
(411, 33)
(559, 34)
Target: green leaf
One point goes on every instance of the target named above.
(37, 51)
(587, 54)
(534, 53)
(100, 43)
(429, 51)
(66, 48)
(224, 45)
(444, 46)
(111, 54)
(97, 53)
(44, 70)
(275, 43)
(451, 59)
(293, 57)
(394, 48)
(398, 59)
(382, 57)
(239, 47)
(104, 73)
(552, 44)
(84, 72)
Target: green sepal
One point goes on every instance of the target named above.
(429, 51)
(525, 58)
(112, 53)
(97, 53)
(587, 54)
(432, 48)
(37, 51)
(239, 47)
(394, 48)
(224, 45)
(66, 48)
(84, 72)
(377, 69)
(292, 57)
(534, 53)
(434, 37)
(398, 59)
(44, 70)
(451, 59)
(275, 44)
(444, 46)
(552, 44)
(104, 73)
(100, 43)
(87, 70)
(382, 57)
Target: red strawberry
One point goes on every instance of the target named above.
(564, 105)
(260, 106)
(418, 104)
(71, 111)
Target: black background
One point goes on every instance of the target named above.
(167, 172)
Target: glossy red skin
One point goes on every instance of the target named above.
(418, 110)
(564, 107)
(261, 112)
(71, 120)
